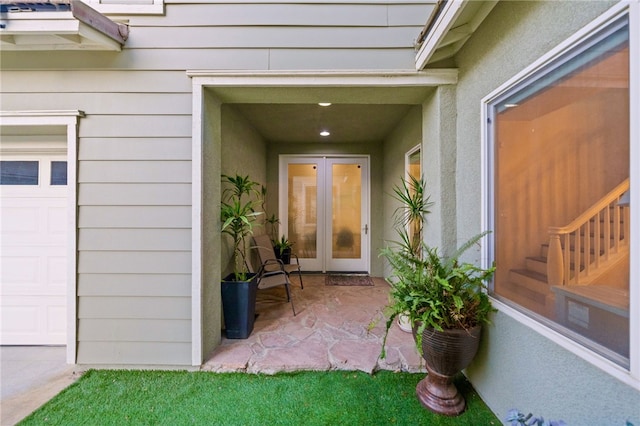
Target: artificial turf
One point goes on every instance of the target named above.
(107, 397)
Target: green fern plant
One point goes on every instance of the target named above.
(434, 291)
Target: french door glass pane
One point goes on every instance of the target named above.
(346, 218)
(302, 216)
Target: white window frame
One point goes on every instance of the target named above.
(128, 7)
(407, 160)
(629, 376)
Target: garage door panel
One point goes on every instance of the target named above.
(19, 271)
(33, 263)
(33, 320)
(57, 273)
(56, 324)
(43, 224)
(57, 221)
(19, 221)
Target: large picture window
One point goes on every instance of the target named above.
(559, 142)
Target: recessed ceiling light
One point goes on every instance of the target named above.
(324, 103)
(324, 133)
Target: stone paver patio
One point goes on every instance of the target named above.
(330, 332)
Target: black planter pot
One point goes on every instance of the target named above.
(285, 256)
(446, 353)
(239, 305)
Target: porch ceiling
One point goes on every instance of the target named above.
(292, 115)
(302, 123)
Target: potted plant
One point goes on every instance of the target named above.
(282, 247)
(445, 302)
(238, 214)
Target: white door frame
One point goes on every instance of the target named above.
(322, 226)
(69, 120)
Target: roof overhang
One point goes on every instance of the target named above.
(57, 25)
(451, 24)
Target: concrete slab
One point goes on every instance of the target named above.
(29, 377)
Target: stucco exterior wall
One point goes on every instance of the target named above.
(439, 157)
(517, 367)
(405, 136)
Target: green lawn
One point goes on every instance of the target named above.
(104, 397)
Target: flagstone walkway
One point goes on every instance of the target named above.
(329, 332)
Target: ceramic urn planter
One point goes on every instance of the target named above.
(446, 353)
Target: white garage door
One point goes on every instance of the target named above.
(33, 196)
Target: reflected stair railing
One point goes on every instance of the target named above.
(581, 247)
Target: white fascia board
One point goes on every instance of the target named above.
(53, 31)
(36, 117)
(451, 10)
(325, 78)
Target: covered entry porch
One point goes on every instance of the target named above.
(245, 122)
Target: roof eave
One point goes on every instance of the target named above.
(79, 27)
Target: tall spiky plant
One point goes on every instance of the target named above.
(238, 213)
(433, 291)
(410, 216)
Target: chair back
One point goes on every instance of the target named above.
(263, 244)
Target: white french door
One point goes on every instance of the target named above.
(324, 210)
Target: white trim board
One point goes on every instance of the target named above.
(69, 119)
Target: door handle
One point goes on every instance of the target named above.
(366, 229)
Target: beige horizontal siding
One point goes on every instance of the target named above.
(141, 330)
(271, 38)
(314, 59)
(127, 239)
(179, 60)
(134, 194)
(134, 217)
(317, 14)
(70, 80)
(147, 149)
(135, 126)
(158, 285)
(135, 171)
(134, 308)
(134, 262)
(134, 353)
(98, 104)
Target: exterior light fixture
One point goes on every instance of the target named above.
(324, 103)
(325, 133)
(510, 105)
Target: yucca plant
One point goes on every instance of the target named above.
(240, 198)
(410, 216)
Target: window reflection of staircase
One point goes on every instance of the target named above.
(575, 255)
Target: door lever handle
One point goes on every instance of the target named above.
(366, 229)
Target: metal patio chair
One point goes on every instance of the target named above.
(272, 274)
(266, 253)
